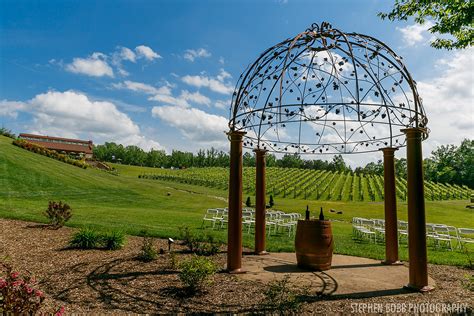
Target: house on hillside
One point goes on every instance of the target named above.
(62, 145)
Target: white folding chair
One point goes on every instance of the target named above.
(463, 239)
(212, 215)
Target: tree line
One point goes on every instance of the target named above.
(447, 163)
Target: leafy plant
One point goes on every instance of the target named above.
(6, 132)
(279, 296)
(468, 282)
(58, 213)
(19, 293)
(148, 251)
(86, 238)
(203, 245)
(113, 240)
(196, 273)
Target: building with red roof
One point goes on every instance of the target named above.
(62, 145)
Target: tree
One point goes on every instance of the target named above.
(452, 17)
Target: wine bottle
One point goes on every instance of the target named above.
(307, 213)
(321, 215)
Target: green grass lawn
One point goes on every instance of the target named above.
(105, 201)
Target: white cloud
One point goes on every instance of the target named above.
(195, 97)
(217, 84)
(192, 54)
(139, 87)
(416, 33)
(11, 108)
(194, 124)
(73, 114)
(223, 104)
(94, 66)
(448, 100)
(127, 54)
(169, 99)
(146, 52)
(221, 60)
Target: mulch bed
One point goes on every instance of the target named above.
(100, 281)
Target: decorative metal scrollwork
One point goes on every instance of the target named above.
(326, 92)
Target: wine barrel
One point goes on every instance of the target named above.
(314, 244)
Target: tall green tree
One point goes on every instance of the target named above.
(451, 17)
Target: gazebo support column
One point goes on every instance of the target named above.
(390, 207)
(417, 252)
(260, 202)
(234, 227)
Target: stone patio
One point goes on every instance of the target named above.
(348, 277)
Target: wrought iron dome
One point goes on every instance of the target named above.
(326, 92)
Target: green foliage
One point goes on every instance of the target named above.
(468, 282)
(113, 240)
(453, 17)
(148, 251)
(86, 238)
(6, 132)
(196, 273)
(48, 153)
(202, 245)
(58, 213)
(281, 298)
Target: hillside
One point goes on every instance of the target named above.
(105, 201)
(304, 184)
(28, 181)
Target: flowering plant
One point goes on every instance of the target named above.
(19, 293)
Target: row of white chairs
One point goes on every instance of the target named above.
(274, 220)
(441, 235)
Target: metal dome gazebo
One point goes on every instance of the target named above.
(329, 92)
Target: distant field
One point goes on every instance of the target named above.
(304, 183)
(105, 201)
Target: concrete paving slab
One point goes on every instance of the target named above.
(348, 277)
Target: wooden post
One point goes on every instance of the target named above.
(390, 207)
(417, 252)
(260, 202)
(234, 227)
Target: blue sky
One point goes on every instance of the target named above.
(160, 73)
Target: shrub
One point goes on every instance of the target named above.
(148, 251)
(6, 132)
(113, 240)
(86, 238)
(48, 153)
(248, 203)
(280, 297)
(196, 273)
(19, 294)
(58, 213)
(201, 245)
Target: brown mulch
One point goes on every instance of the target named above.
(99, 281)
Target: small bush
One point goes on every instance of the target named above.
(203, 245)
(113, 240)
(19, 294)
(6, 132)
(173, 263)
(196, 273)
(280, 297)
(148, 252)
(58, 213)
(86, 238)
